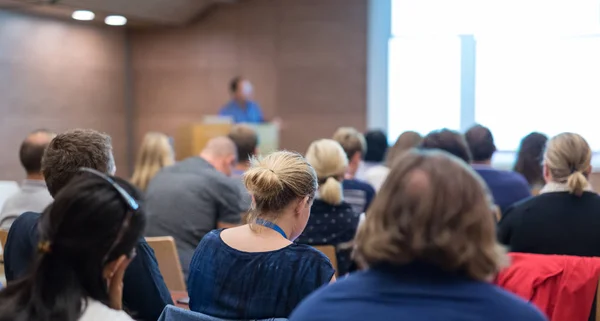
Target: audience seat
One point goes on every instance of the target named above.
(168, 261)
(329, 251)
(565, 288)
(3, 238)
(173, 313)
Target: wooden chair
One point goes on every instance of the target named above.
(3, 238)
(329, 251)
(168, 261)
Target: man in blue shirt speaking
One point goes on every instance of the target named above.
(241, 108)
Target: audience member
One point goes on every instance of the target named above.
(332, 221)
(155, 153)
(449, 141)
(87, 240)
(256, 271)
(529, 160)
(377, 145)
(195, 196)
(374, 166)
(565, 218)
(144, 291)
(405, 142)
(357, 193)
(507, 187)
(33, 195)
(246, 141)
(429, 247)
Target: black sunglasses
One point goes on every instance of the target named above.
(132, 208)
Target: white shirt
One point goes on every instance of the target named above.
(97, 311)
(376, 175)
(33, 197)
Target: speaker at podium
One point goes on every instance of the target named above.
(191, 138)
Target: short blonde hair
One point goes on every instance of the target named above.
(154, 154)
(274, 181)
(352, 141)
(330, 162)
(433, 209)
(568, 157)
(405, 141)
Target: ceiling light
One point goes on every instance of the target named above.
(115, 20)
(84, 15)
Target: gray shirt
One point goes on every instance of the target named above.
(33, 197)
(187, 200)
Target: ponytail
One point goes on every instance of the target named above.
(576, 183)
(331, 191)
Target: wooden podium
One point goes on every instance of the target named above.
(191, 139)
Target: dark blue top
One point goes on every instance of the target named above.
(507, 187)
(358, 194)
(250, 114)
(416, 293)
(231, 284)
(144, 291)
(332, 225)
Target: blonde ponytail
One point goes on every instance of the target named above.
(331, 191)
(329, 160)
(568, 157)
(576, 183)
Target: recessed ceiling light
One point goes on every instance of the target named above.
(84, 15)
(115, 20)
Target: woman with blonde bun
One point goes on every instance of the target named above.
(565, 217)
(256, 271)
(332, 221)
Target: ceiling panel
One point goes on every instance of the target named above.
(162, 12)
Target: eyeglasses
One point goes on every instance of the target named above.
(130, 202)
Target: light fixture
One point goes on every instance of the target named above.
(115, 20)
(83, 15)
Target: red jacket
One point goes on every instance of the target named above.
(563, 287)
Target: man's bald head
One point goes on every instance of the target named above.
(220, 152)
(32, 150)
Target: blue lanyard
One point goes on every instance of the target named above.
(272, 226)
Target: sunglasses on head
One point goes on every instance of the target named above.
(132, 208)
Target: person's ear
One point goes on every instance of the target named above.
(111, 267)
(302, 204)
(355, 159)
(255, 152)
(546, 171)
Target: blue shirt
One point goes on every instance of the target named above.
(235, 285)
(506, 187)
(416, 292)
(358, 194)
(332, 225)
(144, 291)
(250, 114)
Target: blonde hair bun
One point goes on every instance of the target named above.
(262, 182)
(276, 180)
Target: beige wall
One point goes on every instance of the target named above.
(306, 58)
(58, 75)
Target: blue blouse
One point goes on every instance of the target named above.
(230, 284)
(332, 225)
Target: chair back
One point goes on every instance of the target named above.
(173, 313)
(329, 251)
(3, 237)
(168, 261)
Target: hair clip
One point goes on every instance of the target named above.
(44, 247)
